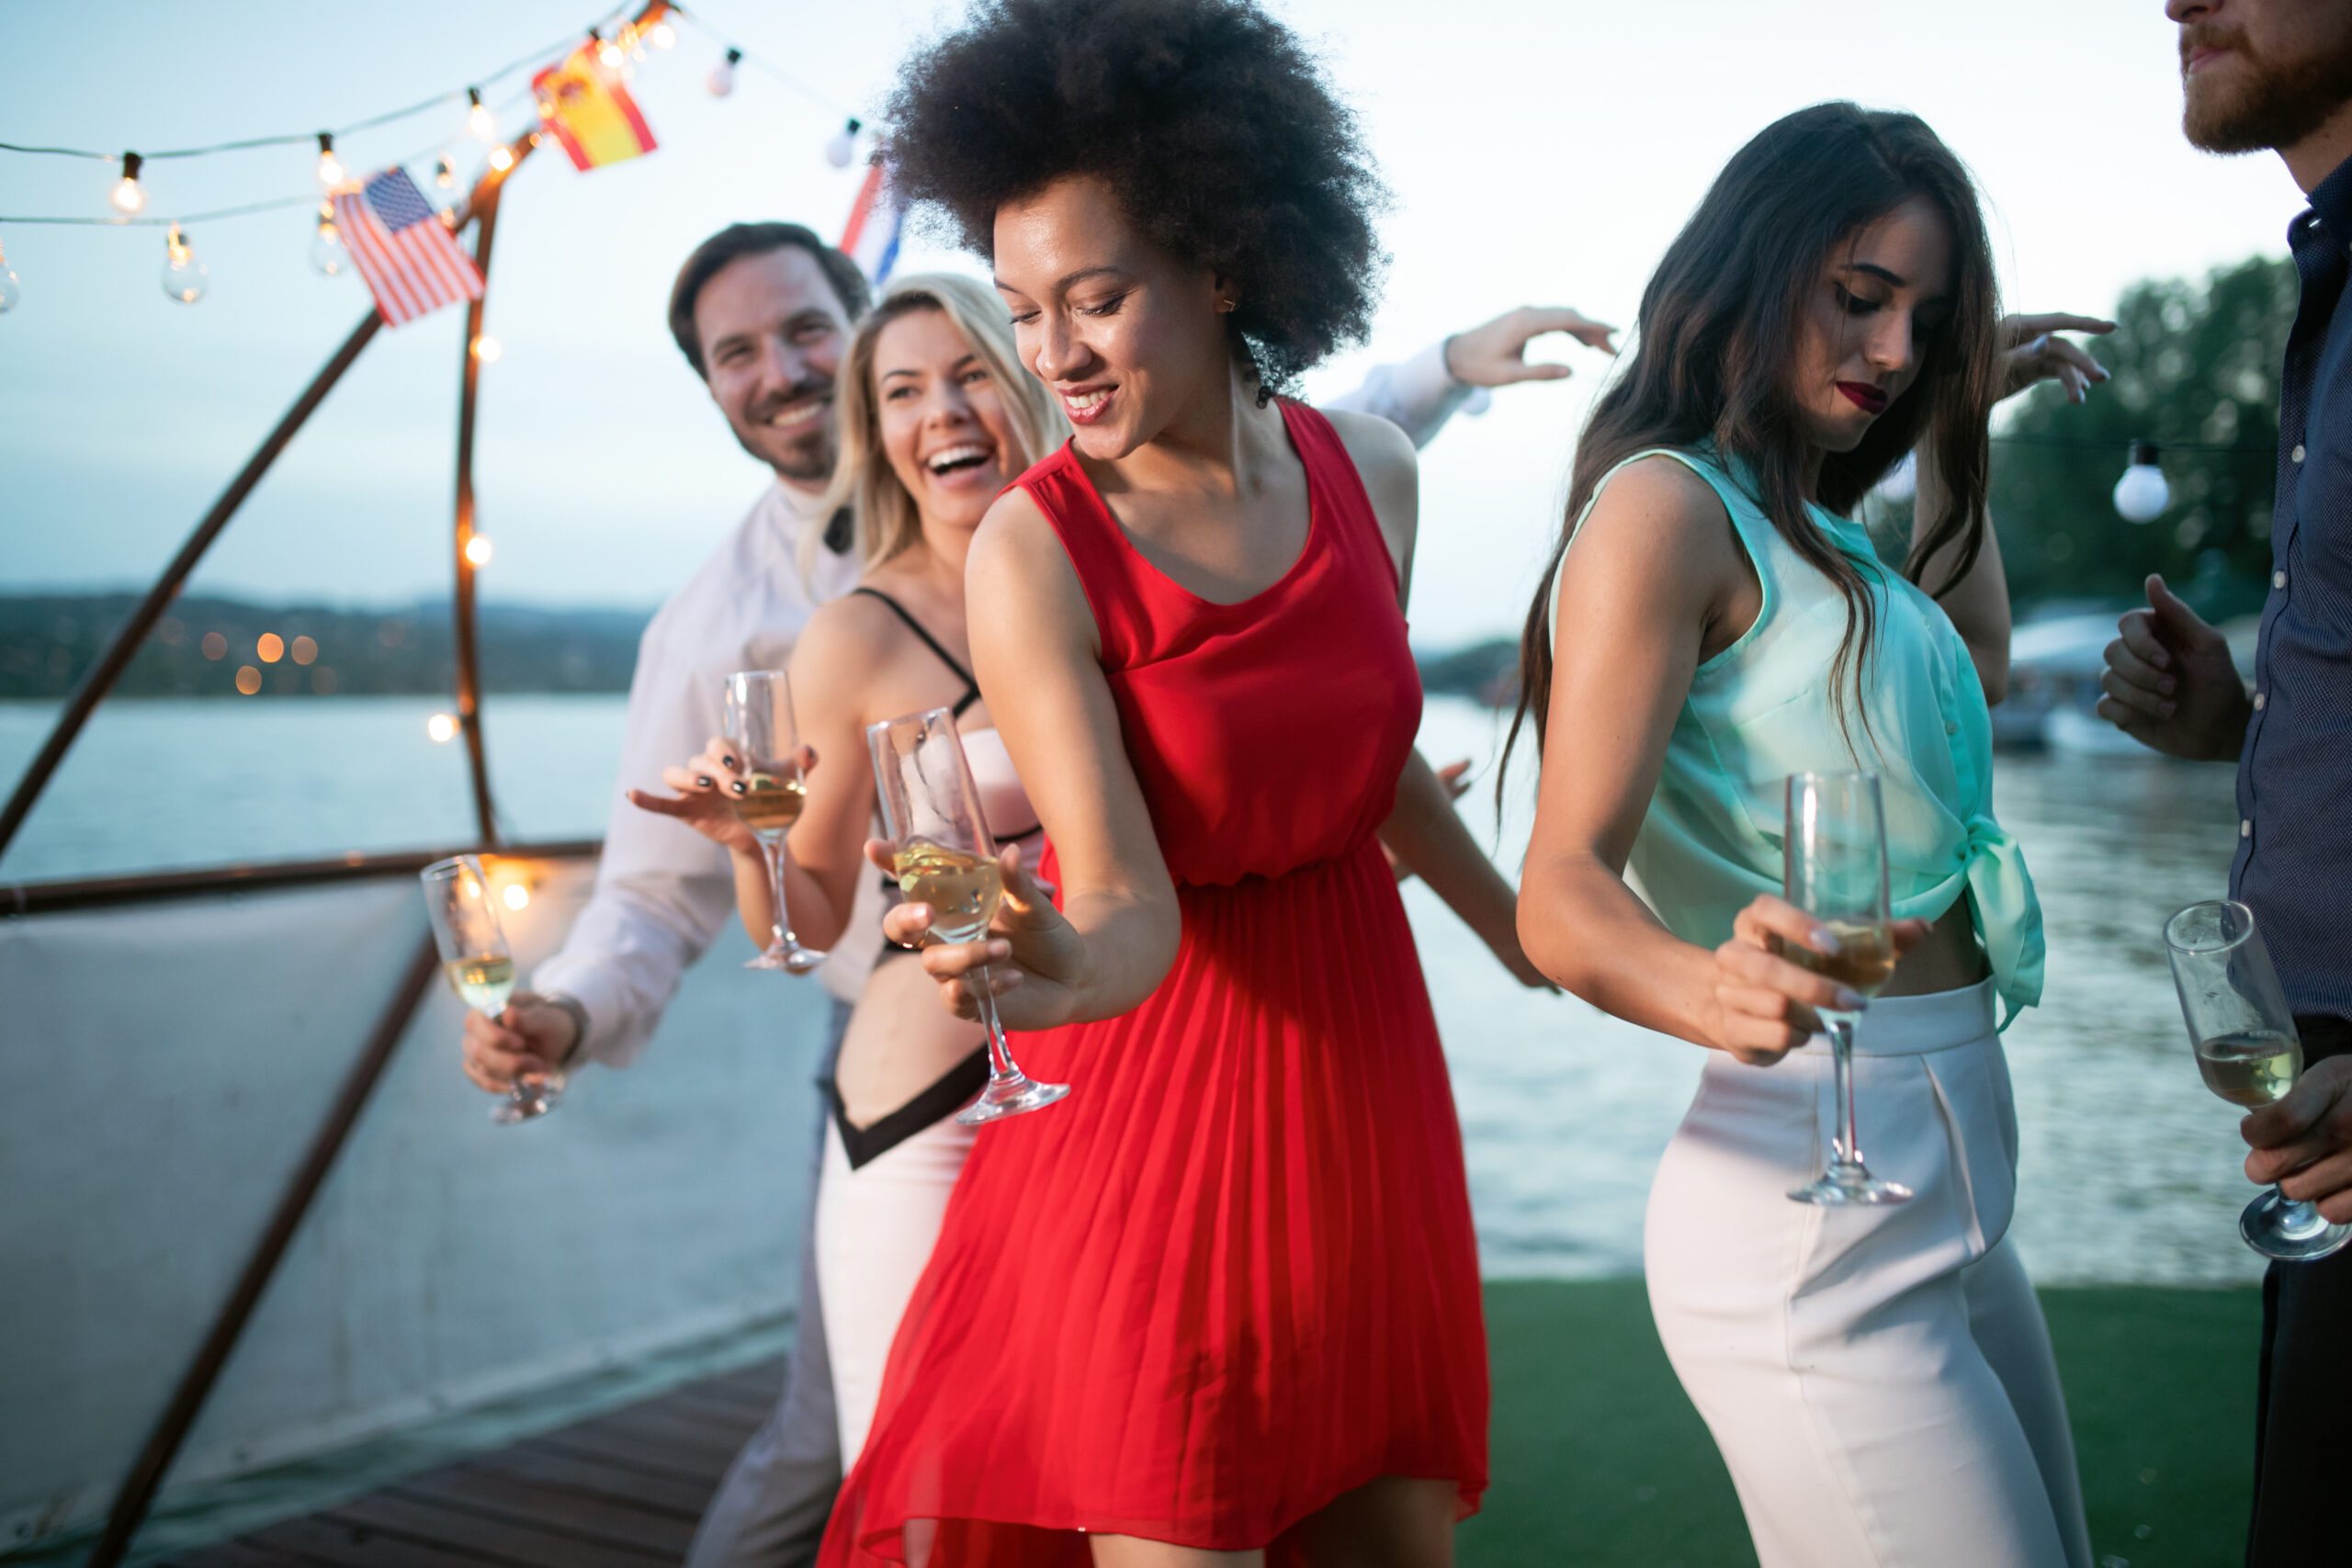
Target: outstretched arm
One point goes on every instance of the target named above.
(1420, 394)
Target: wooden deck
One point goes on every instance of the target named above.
(620, 1491)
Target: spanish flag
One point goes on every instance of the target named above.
(584, 105)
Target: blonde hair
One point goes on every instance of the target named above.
(886, 520)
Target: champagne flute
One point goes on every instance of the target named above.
(945, 857)
(1835, 870)
(2247, 1052)
(766, 742)
(480, 970)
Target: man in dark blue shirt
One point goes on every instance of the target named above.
(2278, 74)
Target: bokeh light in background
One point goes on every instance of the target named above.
(1537, 152)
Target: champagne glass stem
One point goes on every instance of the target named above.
(2297, 1219)
(1841, 1051)
(1001, 1065)
(782, 928)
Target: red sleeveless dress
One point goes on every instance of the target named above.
(1232, 1276)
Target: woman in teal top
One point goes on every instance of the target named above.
(1878, 1378)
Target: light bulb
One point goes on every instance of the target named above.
(661, 35)
(9, 292)
(477, 549)
(330, 166)
(479, 122)
(442, 727)
(2142, 495)
(486, 348)
(609, 55)
(501, 158)
(327, 251)
(515, 895)
(184, 278)
(444, 173)
(129, 197)
(842, 146)
(721, 79)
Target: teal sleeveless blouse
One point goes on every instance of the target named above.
(1762, 709)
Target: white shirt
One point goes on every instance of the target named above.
(663, 891)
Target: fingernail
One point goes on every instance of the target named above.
(2041, 343)
(737, 786)
(728, 760)
(704, 779)
(1823, 940)
(1851, 1001)
(2099, 370)
(2166, 685)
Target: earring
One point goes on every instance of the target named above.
(1224, 306)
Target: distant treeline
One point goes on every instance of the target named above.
(204, 646)
(47, 640)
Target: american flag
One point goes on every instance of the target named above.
(411, 263)
(870, 237)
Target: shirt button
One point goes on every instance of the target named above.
(2297, 454)
(2261, 701)
(2246, 826)
(2278, 580)
(1951, 726)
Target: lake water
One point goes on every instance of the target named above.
(2130, 1169)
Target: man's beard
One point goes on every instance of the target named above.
(2272, 106)
(806, 459)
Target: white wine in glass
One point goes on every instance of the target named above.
(760, 727)
(1835, 870)
(2247, 1052)
(945, 857)
(478, 967)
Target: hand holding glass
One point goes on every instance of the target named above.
(480, 970)
(945, 857)
(2247, 1052)
(760, 727)
(1835, 870)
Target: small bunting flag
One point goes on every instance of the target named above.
(584, 102)
(870, 237)
(410, 262)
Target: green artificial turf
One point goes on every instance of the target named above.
(1599, 1460)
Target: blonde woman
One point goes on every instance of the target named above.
(936, 418)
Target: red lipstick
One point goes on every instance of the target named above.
(1863, 396)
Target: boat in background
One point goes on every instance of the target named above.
(2055, 665)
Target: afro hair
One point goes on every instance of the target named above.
(1207, 118)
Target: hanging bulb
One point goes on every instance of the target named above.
(184, 278)
(9, 292)
(721, 79)
(609, 53)
(843, 145)
(478, 550)
(444, 173)
(327, 251)
(2142, 495)
(501, 158)
(481, 123)
(330, 166)
(129, 197)
(661, 35)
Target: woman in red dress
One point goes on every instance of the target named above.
(1221, 1304)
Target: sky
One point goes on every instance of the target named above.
(1542, 152)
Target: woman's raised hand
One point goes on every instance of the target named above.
(706, 788)
(2030, 352)
(1032, 956)
(1764, 1003)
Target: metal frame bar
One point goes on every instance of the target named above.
(485, 212)
(155, 887)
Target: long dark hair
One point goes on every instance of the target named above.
(1717, 334)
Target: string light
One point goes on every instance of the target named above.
(9, 292)
(661, 35)
(477, 549)
(444, 173)
(721, 79)
(486, 349)
(2141, 494)
(441, 727)
(129, 197)
(327, 251)
(184, 278)
(502, 158)
(843, 146)
(609, 53)
(330, 166)
(481, 123)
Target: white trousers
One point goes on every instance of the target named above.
(1879, 1380)
(875, 1230)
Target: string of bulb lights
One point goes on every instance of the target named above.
(621, 43)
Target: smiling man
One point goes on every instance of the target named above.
(2276, 75)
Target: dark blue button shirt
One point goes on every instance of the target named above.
(2294, 860)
